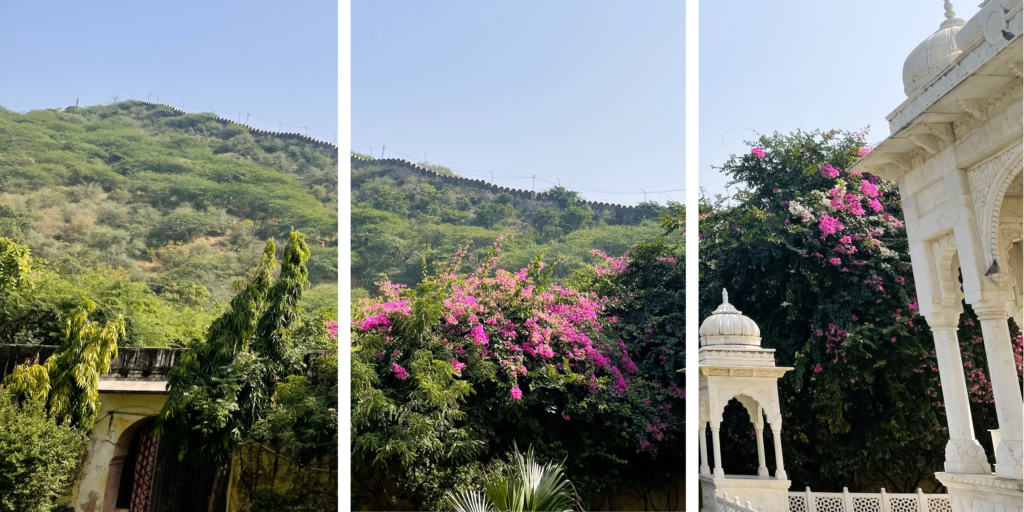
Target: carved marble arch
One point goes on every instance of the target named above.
(1009, 237)
(755, 401)
(994, 184)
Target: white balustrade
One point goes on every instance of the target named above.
(724, 504)
(846, 501)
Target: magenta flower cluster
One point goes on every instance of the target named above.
(530, 331)
(758, 152)
(827, 171)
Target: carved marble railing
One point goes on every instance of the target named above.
(809, 501)
(724, 504)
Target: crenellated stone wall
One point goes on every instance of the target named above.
(530, 200)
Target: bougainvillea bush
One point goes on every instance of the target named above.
(450, 374)
(818, 256)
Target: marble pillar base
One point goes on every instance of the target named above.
(768, 492)
(983, 493)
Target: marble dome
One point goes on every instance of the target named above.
(933, 54)
(728, 326)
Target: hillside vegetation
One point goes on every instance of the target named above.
(153, 215)
(401, 221)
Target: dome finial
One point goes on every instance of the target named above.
(951, 19)
(725, 296)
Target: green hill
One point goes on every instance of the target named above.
(154, 213)
(404, 214)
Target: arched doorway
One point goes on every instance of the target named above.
(130, 475)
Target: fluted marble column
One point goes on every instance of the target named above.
(780, 468)
(964, 455)
(762, 467)
(705, 469)
(1005, 389)
(719, 472)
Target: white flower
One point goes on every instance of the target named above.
(800, 212)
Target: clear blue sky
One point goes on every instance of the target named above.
(788, 64)
(277, 61)
(586, 92)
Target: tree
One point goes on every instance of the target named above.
(39, 456)
(818, 256)
(224, 384)
(15, 265)
(575, 217)
(564, 197)
(647, 296)
(491, 214)
(304, 429)
(68, 383)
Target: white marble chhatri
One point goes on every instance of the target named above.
(732, 365)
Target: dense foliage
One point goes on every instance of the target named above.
(818, 256)
(222, 392)
(303, 428)
(400, 220)
(39, 456)
(455, 371)
(152, 215)
(67, 384)
(223, 384)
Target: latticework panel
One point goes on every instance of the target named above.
(797, 504)
(867, 504)
(940, 504)
(828, 503)
(903, 505)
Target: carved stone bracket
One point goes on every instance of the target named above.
(943, 131)
(927, 142)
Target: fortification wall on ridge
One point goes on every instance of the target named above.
(623, 213)
(255, 131)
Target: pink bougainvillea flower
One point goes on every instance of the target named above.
(458, 367)
(875, 205)
(827, 171)
(835, 261)
(829, 225)
(400, 373)
(516, 393)
(868, 189)
(758, 152)
(478, 335)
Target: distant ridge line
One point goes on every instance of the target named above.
(258, 131)
(523, 194)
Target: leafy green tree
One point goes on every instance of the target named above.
(185, 224)
(574, 218)
(13, 224)
(224, 384)
(564, 197)
(68, 383)
(304, 429)
(39, 456)
(492, 214)
(15, 265)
